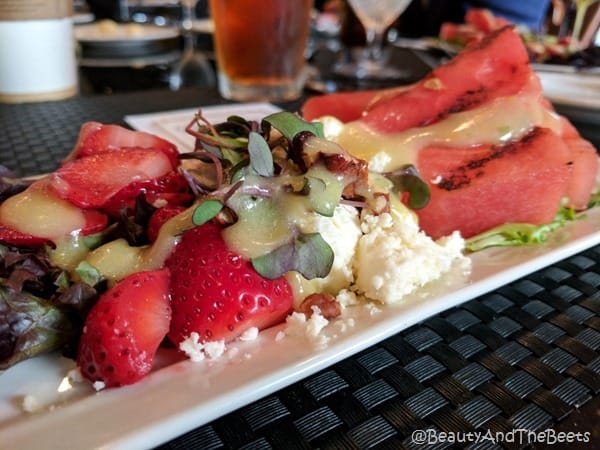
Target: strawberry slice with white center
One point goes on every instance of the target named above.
(91, 181)
(124, 329)
(95, 137)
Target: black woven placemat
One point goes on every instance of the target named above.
(523, 357)
(34, 137)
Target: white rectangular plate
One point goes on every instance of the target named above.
(573, 89)
(181, 395)
(171, 124)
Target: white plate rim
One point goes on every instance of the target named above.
(169, 124)
(186, 395)
(572, 89)
(87, 34)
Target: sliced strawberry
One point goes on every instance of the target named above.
(91, 181)
(158, 219)
(172, 188)
(95, 221)
(123, 330)
(95, 137)
(217, 293)
(36, 216)
(14, 237)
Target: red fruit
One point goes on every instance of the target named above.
(478, 188)
(90, 182)
(584, 167)
(123, 330)
(159, 217)
(95, 137)
(95, 222)
(484, 20)
(345, 106)
(172, 188)
(497, 67)
(14, 237)
(460, 34)
(217, 293)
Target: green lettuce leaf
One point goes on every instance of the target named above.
(30, 326)
(515, 234)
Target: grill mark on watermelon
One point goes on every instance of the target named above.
(461, 176)
(470, 99)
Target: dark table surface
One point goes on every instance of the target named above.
(523, 357)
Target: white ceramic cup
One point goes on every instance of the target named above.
(37, 52)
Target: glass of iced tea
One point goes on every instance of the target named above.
(260, 48)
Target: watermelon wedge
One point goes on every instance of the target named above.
(496, 67)
(466, 194)
(345, 106)
(497, 175)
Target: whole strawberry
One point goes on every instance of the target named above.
(123, 330)
(217, 293)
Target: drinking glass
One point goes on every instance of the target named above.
(261, 48)
(375, 16)
(193, 69)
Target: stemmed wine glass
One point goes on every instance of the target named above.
(375, 16)
(193, 69)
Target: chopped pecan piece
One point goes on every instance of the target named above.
(326, 303)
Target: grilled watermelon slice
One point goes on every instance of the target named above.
(475, 189)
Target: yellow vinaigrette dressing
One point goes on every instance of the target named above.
(496, 122)
(39, 213)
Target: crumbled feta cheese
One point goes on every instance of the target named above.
(198, 351)
(341, 232)
(379, 162)
(342, 325)
(214, 349)
(332, 126)
(192, 347)
(394, 258)
(249, 335)
(75, 375)
(298, 325)
(316, 323)
(279, 336)
(347, 298)
(31, 404)
(372, 308)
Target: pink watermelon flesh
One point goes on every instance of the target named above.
(345, 106)
(520, 182)
(475, 189)
(584, 167)
(497, 67)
